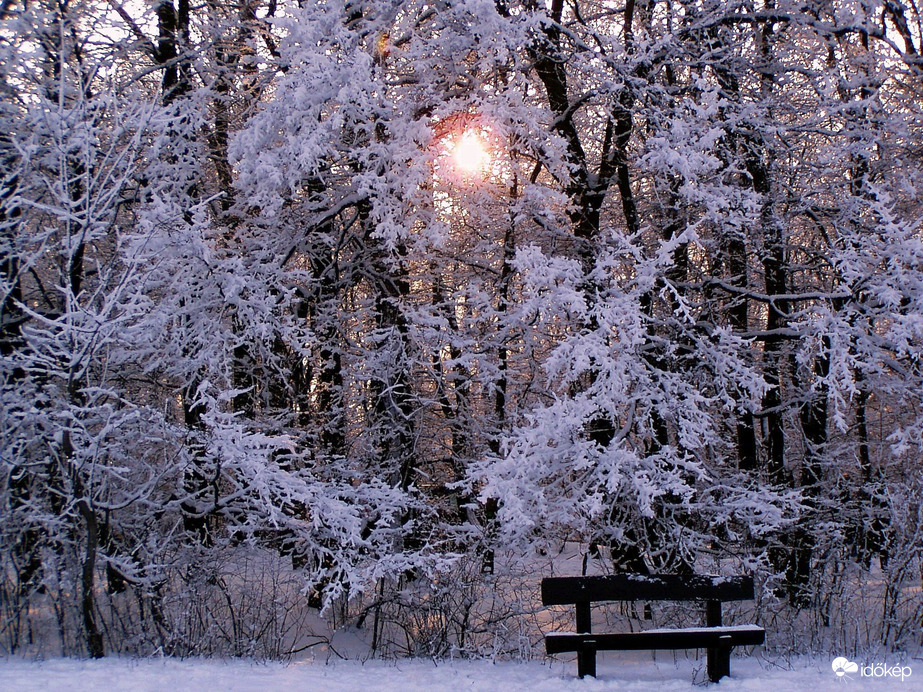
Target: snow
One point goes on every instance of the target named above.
(708, 630)
(687, 630)
(628, 673)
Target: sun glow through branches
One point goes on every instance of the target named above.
(470, 154)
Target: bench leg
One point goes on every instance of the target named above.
(586, 659)
(719, 660)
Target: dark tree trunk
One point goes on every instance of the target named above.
(88, 583)
(195, 485)
(173, 38)
(393, 402)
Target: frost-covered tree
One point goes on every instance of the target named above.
(633, 453)
(81, 453)
(716, 168)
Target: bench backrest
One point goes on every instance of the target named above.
(637, 587)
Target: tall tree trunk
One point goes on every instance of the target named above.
(88, 583)
(733, 260)
(393, 401)
(172, 45)
(455, 408)
(88, 568)
(813, 418)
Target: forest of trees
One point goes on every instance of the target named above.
(272, 342)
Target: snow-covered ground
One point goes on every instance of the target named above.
(629, 672)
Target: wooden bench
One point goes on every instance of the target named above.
(712, 591)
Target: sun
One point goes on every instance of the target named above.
(470, 154)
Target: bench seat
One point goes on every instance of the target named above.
(687, 638)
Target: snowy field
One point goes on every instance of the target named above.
(631, 673)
